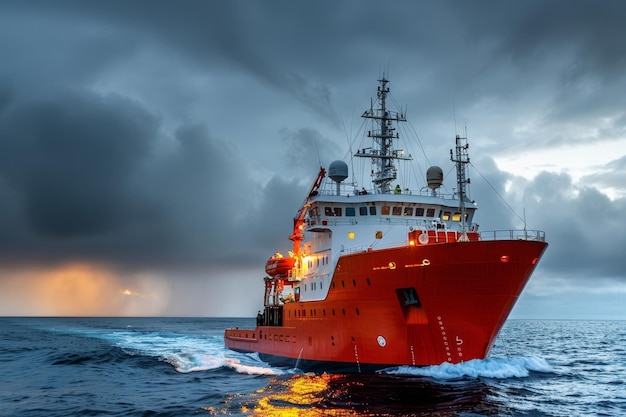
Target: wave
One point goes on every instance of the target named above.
(500, 368)
(188, 353)
(252, 370)
(185, 353)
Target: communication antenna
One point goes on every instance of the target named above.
(461, 158)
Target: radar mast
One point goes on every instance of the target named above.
(382, 153)
(461, 158)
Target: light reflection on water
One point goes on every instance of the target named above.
(367, 395)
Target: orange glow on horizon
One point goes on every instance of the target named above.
(80, 289)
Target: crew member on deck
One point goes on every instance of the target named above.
(397, 190)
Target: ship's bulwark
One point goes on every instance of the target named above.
(412, 305)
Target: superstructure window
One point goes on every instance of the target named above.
(397, 211)
(385, 210)
(363, 211)
(419, 212)
(456, 217)
(430, 212)
(408, 211)
(372, 210)
(332, 211)
(445, 215)
(350, 211)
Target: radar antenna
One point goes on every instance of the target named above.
(462, 159)
(383, 153)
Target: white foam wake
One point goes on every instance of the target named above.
(251, 369)
(516, 367)
(189, 353)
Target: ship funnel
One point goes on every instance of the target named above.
(434, 178)
(338, 171)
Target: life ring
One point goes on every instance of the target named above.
(423, 238)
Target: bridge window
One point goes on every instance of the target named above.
(419, 212)
(445, 215)
(385, 211)
(332, 211)
(397, 210)
(430, 212)
(372, 210)
(363, 211)
(408, 211)
(350, 211)
(456, 217)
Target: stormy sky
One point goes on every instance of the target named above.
(154, 153)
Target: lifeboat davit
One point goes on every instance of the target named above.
(279, 266)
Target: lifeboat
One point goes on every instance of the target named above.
(277, 266)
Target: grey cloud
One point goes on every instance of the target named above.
(583, 225)
(92, 178)
(70, 158)
(149, 134)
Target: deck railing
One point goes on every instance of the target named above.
(531, 235)
(538, 235)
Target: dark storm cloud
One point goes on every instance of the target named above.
(88, 177)
(152, 133)
(71, 159)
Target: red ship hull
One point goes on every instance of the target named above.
(410, 305)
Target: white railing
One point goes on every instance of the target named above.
(538, 235)
(350, 191)
(531, 235)
(417, 222)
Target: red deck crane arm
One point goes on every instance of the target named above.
(298, 221)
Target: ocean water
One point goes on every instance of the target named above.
(179, 367)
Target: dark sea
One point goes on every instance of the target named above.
(179, 367)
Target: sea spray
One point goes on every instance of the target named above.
(514, 367)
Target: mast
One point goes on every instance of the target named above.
(461, 158)
(383, 132)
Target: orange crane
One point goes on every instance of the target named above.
(298, 221)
